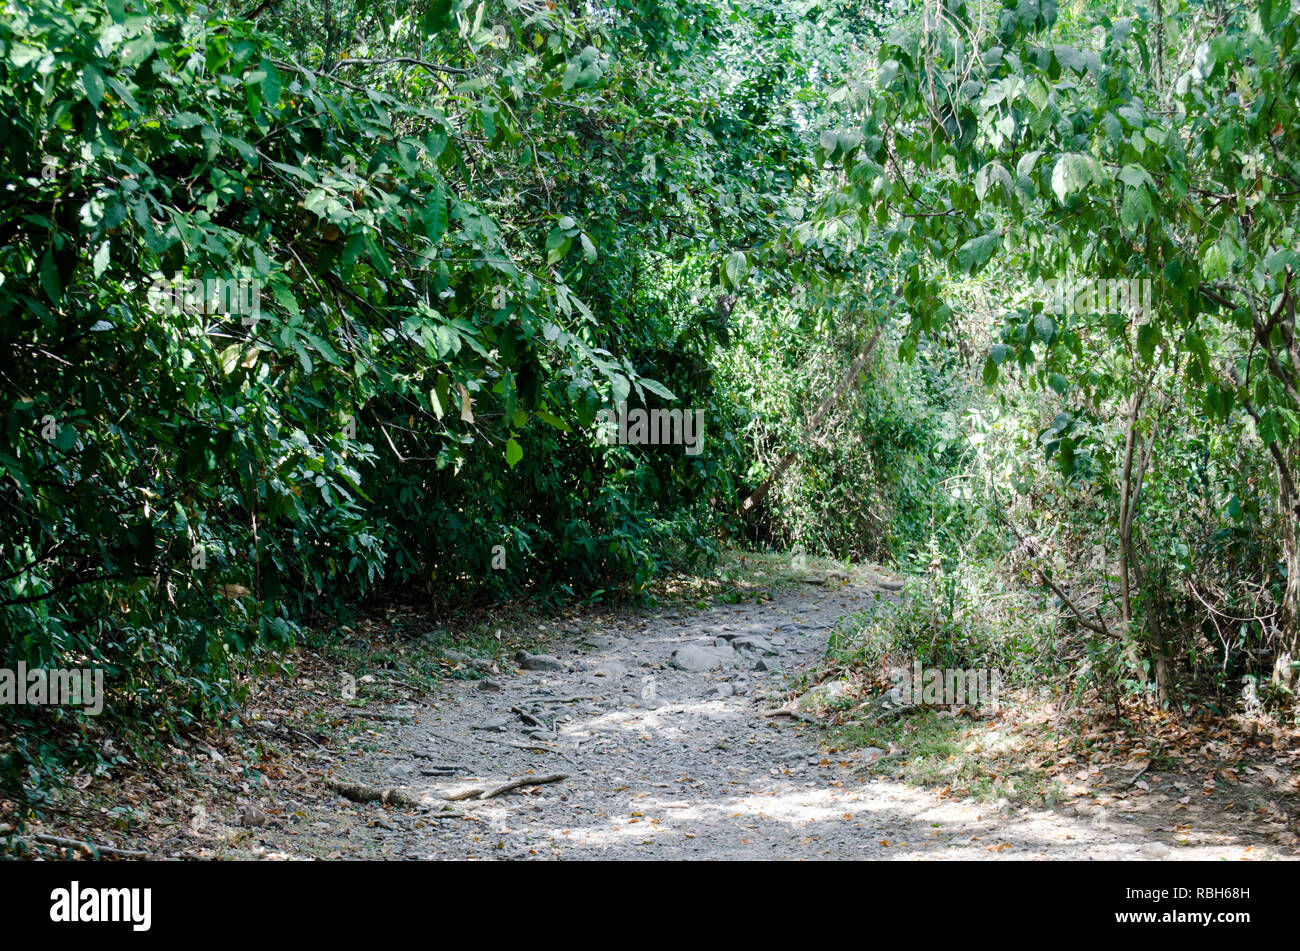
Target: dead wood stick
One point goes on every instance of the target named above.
(306, 736)
(529, 718)
(76, 843)
(480, 793)
(282, 731)
(358, 792)
(1138, 774)
(519, 781)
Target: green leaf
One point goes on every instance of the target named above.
(440, 395)
(376, 254)
(101, 259)
(994, 173)
(93, 80)
(1027, 162)
(435, 217)
(1148, 338)
(272, 82)
(1136, 176)
(557, 245)
(49, 277)
(1278, 261)
(990, 371)
(552, 420)
(657, 388)
(229, 358)
(737, 268)
(356, 246)
(261, 262)
(1073, 171)
(975, 253)
(246, 151)
(514, 453)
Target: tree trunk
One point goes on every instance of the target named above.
(1129, 491)
(1289, 514)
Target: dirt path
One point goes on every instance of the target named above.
(669, 763)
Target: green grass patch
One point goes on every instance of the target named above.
(983, 760)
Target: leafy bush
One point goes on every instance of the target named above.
(957, 616)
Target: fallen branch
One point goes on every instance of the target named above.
(537, 747)
(358, 792)
(288, 733)
(464, 794)
(516, 783)
(523, 781)
(529, 718)
(1138, 774)
(48, 839)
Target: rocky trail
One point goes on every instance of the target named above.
(647, 739)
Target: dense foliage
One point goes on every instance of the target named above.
(1135, 178)
(304, 304)
(461, 232)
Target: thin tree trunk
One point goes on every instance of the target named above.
(1127, 515)
(1289, 513)
(1131, 574)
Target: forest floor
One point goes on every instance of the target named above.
(648, 734)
